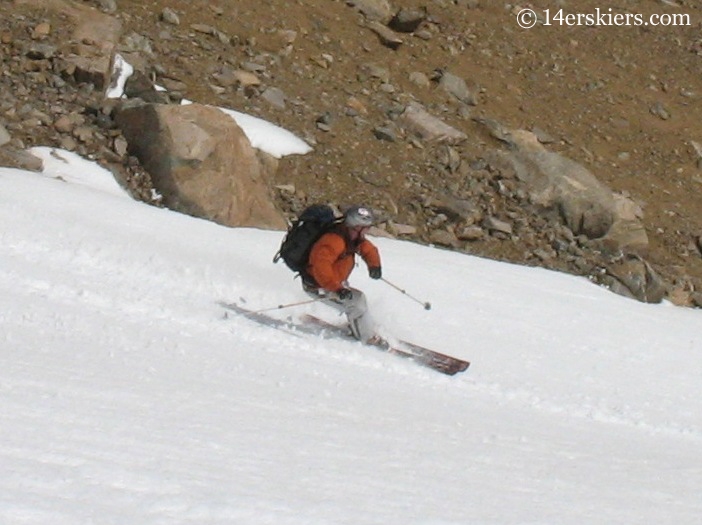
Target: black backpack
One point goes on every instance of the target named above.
(312, 223)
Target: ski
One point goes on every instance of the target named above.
(443, 363)
(312, 325)
(267, 320)
(345, 333)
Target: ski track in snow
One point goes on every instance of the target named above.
(130, 306)
(88, 265)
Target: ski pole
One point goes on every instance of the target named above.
(289, 305)
(426, 305)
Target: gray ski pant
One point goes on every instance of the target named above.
(355, 308)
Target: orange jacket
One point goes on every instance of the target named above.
(332, 259)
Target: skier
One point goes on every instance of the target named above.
(330, 263)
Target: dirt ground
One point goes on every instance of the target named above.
(623, 100)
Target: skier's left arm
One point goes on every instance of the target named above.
(369, 253)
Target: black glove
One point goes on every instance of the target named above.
(344, 294)
(375, 273)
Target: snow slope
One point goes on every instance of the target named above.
(128, 397)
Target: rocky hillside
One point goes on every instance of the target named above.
(623, 103)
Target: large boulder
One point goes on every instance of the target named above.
(89, 52)
(202, 163)
(554, 182)
(633, 277)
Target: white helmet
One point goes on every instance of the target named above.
(358, 216)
